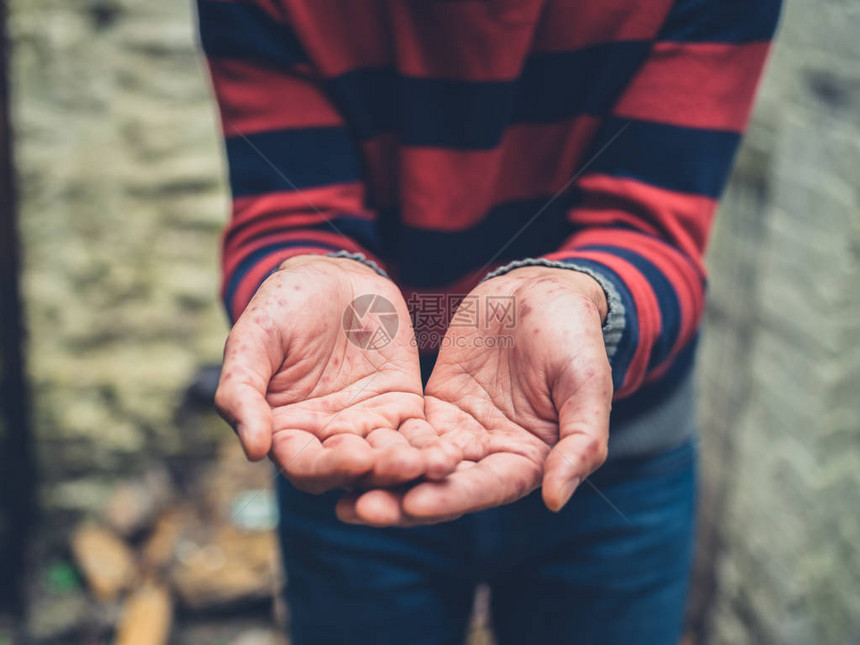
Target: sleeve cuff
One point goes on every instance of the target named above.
(360, 257)
(613, 325)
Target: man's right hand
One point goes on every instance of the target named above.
(329, 412)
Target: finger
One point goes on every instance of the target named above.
(395, 460)
(498, 479)
(345, 509)
(457, 429)
(315, 467)
(584, 437)
(251, 419)
(378, 508)
(387, 438)
(381, 508)
(440, 457)
(241, 394)
(568, 464)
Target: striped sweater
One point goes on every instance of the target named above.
(445, 138)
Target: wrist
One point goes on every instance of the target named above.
(576, 281)
(347, 262)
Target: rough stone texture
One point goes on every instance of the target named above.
(781, 353)
(122, 202)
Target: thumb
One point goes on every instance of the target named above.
(583, 444)
(253, 419)
(241, 395)
(571, 460)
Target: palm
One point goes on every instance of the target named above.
(506, 398)
(331, 393)
(340, 412)
(491, 404)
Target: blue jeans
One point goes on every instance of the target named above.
(589, 574)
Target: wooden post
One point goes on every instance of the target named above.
(17, 471)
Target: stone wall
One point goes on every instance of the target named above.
(780, 364)
(122, 202)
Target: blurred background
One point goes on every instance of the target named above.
(120, 487)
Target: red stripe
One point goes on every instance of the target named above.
(452, 190)
(696, 85)
(575, 24)
(541, 159)
(449, 190)
(234, 256)
(460, 40)
(255, 99)
(688, 285)
(298, 208)
(268, 226)
(647, 312)
(342, 36)
(609, 219)
(682, 275)
(681, 218)
(331, 198)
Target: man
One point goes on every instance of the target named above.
(552, 166)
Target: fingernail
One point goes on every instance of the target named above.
(240, 432)
(346, 512)
(568, 490)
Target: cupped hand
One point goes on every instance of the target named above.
(526, 401)
(334, 398)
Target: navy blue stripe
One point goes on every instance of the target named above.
(260, 162)
(362, 231)
(243, 31)
(455, 114)
(724, 21)
(667, 299)
(620, 362)
(473, 115)
(368, 100)
(435, 258)
(556, 86)
(251, 260)
(651, 395)
(425, 111)
(688, 160)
